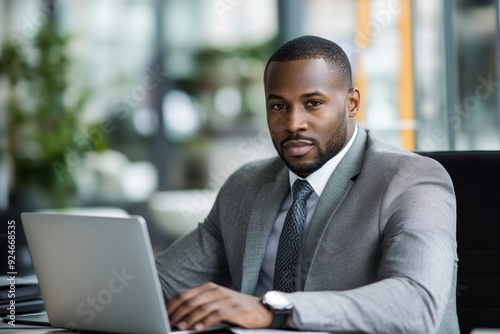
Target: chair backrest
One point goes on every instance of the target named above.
(476, 178)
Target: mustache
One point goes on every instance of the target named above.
(298, 137)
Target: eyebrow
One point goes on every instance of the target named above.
(274, 96)
(315, 93)
(303, 96)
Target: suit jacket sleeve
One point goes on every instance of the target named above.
(194, 259)
(414, 287)
(213, 252)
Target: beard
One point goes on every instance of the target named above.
(333, 146)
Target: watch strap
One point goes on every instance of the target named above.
(279, 318)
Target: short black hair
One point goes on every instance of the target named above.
(313, 47)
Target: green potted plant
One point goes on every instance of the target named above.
(42, 116)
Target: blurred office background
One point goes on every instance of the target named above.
(147, 106)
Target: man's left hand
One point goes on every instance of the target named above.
(209, 303)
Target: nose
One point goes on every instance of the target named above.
(296, 120)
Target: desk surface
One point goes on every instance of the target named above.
(39, 329)
(30, 329)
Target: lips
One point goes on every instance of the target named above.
(297, 147)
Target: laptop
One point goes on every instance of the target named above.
(96, 273)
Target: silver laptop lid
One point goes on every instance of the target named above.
(96, 273)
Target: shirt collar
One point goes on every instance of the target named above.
(319, 178)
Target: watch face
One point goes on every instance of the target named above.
(277, 300)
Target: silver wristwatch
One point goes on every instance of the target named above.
(279, 305)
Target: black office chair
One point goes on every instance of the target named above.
(476, 177)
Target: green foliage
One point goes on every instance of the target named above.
(43, 114)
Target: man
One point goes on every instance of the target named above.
(366, 244)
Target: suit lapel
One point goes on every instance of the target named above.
(263, 215)
(333, 195)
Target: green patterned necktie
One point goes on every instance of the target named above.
(289, 243)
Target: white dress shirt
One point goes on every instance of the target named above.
(318, 181)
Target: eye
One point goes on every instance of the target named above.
(313, 104)
(278, 106)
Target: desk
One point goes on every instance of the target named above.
(28, 329)
(34, 329)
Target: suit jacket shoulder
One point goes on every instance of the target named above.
(256, 173)
(392, 159)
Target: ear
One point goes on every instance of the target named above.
(353, 102)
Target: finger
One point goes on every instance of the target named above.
(185, 296)
(189, 301)
(245, 311)
(207, 314)
(239, 313)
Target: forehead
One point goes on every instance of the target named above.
(302, 75)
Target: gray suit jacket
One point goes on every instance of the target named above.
(380, 255)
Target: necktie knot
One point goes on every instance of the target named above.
(301, 190)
